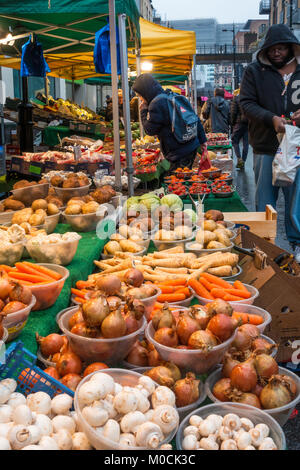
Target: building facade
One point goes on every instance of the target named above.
(283, 12)
(146, 9)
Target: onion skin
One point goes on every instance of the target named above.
(132, 323)
(262, 345)
(242, 340)
(201, 316)
(265, 366)
(222, 326)
(275, 394)
(161, 375)
(13, 307)
(244, 377)
(167, 337)
(114, 303)
(114, 325)
(203, 339)
(186, 390)
(69, 363)
(251, 330)
(138, 355)
(222, 389)
(5, 287)
(175, 371)
(50, 344)
(81, 329)
(163, 319)
(248, 399)
(95, 311)
(289, 382)
(228, 364)
(154, 358)
(77, 317)
(219, 306)
(20, 293)
(94, 368)
(133, 277)
(186, 326)
(109, 285)
(52, 372)
(71, 381)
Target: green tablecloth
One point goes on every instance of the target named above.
(228, 204)
(161, 168)
(51, 139)
(89, 249)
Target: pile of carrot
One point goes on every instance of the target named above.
(212, 287)
(172, 291)
(80, 291)
(30, 274)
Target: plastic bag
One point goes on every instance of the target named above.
(287, 158)
(205, 163)
(33, 63)
(102, 59)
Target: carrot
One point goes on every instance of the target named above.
(157, 306)
(216, 280)
(78, 293)
(240, 286)
(174, 282)
(207, 284)
(218, 293)
(166, 289)
(184, 290)
(44, 271)
(79, 300)
(171, 297)
(28, 277)
(200, 289)
(25, 283)
(232, 298)
(23, 268)
(239, 293)
(83, 284)
(248, 318)
(5, 268)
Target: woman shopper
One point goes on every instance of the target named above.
(239, 124)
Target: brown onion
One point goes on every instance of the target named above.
(222, 326)
(242, 340)
(50, 344)
(13, 307)
(69, 363)
(228, 364)
(95, 311)
(243, 376)
(56, 357)
(186, 390)
(161, 375)
(250, 330)
(247, 399)
(289, 383)
(71, 381)
(154, 358)
(219, 306)
(132, 324)
(222, 389)
(186, 326)
(94, 368)
(275, 394)
(133, 277)
(257, 390)
(265, 366)
(82, 329)
(167, 337)
(109, 285)
(52, 372)
(77, 317)
(20, 293)
(200, 314)
(136, 306)
(138, 355)
(163, 318)
(262, 345)
(5, 287)
(114, 303)
(203, 339)
(175, 371)
(114, 325)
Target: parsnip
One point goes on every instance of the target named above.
(222, 271)
(176, 249)
(167, 263)
(215, 245)
(129, 246)
(173, 270)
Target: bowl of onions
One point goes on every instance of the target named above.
(96, 348)
(282, 389)
(15, 322)
(253, 429)
(252, 290)
(147, 416)
(253, 310)
(3, 334)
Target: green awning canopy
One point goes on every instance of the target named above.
(163, 79)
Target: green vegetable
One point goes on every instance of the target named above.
(173, 202)
(192, 215)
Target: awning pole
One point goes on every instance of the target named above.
(195, 85)
(115, 99)
(190, 88)
(126, 103)
(25, 120)
(138, 70)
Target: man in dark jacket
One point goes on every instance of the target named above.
(156, 121)
(270, 90)
(239, 124)
(218, 111)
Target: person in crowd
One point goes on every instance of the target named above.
(109, 108)
(218, 112)
(270, 93)
(156, 122)
(239, 124)
(134, 109)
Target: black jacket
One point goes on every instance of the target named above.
(219, 112)
(156, 121)
(263, 93)
(237, 115)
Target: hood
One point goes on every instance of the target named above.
(219, 102)
(278, 34)
(146, 86)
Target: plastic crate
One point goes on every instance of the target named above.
(20, 364)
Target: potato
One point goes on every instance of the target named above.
(223, 239)
(200, 237)
(22, 216)
(129, 246)
(11, 204)
(124, 230)
(90, 207)
(164, 235)
(209, 237)
(37, 219)
(112, 247)
(73, 209)
(116, 237)
(215, 246)
(182, 232)
(196, 246)
(76, 200)
(41, 212)
(39, 204)
(224, 231)
(135, 231)
(52, 209)
(214, 215)
(209, 225)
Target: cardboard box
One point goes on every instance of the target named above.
(263, 224)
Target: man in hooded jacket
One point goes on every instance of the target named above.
(270, 93)
(156, 121)
(218, 111)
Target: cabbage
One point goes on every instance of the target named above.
(134, 200)
(149, 196)
(172, 201)
(192, 215)
(151, 203)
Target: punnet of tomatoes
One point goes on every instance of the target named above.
(145, 169)
(178, 189)
(199, 188)
(222, 187)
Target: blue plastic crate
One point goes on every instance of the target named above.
(20, 364)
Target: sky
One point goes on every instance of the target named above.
(225, 11)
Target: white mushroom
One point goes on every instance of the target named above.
(6, 414)
(244, 440)
(80, 442)
(16, 399)
(91, 391)
(22, 414)
(108, 406)
(246, 424)
(207, 427)
(4, 394)
(44, 424)
(250, 448)
(232, 422)
(36, 434)
(19, 436)
(143, 404)
(229, 444)
(11, 384)
(192, 430)
(118, 388)
(218, 420)
(166, 447)
(127, 440)
(166, 417)
(5, 427)
(40, 402)
(63, 422)
(147, 383)
(95, 415)
(224, 433)
(195, 420)
(256, 436)
(61, 404)
(264, 429)
(268, 444)
(33, 447)
(207, 443)
(111, 430)
(163, 396)
(48, 443)
(149, 435)
(125, 402)
(106, 380)
(131, 421)
(63, 439)
(190, 442)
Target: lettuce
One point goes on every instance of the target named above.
(172, 201)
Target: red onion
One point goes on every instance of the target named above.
(186, 390)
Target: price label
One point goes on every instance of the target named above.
(36, 170)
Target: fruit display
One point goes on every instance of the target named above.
(177, 188)
(200, 188)
(217, 139)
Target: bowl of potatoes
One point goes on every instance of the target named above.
(211, 238)
(84, 216)
(41, 215)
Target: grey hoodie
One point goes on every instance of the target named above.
(218, 110)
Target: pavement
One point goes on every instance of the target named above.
(245, 183)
